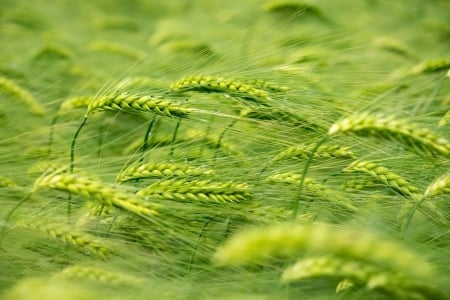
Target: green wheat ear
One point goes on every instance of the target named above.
(22, 95)
(420, 139)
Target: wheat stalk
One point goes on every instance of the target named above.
(197, 190)
(96, 190)
(399, 130)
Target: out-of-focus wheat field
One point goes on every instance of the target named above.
(278, 149)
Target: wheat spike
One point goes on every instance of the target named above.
(220, 84)
(96, 190)
(386, 176)
(430, 66)
(399, 130)
(159, 170)
(324, 151)
(198, 190)
(439, 186)
(99, 275)
(75, 103)
(22, 95)
(82, 241)
(136, 102)
(290, 240)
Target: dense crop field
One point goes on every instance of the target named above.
(251, 149)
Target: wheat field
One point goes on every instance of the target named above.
(256, 149)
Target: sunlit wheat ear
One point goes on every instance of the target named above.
(445, 120)
(80, 272)
(82, 241)
(220, 84)
(98, 191)
(159, 170)
(324, 151)
(117, 48)
(291, 240)
(429, 66)
(439, 186)
(22, 95)
(420, 139)
(321, 191)
(198, 190)
(138, 102)
(386, 176)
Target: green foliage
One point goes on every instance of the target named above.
(156, 149)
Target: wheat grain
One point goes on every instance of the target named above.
(159, 170)
(98, 191)
(198, 190)
(21, 94)
(81, 241)
(220, 84)
(137, 102)
(290, 240)
(399, 130)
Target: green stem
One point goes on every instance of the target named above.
(302, 180)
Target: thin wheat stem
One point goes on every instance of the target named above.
(296, 204)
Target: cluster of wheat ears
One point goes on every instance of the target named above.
(279, 149)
